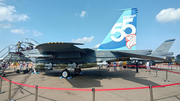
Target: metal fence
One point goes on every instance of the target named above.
(93, 90)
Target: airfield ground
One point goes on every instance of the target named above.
(93, 78)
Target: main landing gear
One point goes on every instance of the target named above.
(65, 73)
(77, 71)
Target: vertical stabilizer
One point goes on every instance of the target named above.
(164, 47)
(122, 36)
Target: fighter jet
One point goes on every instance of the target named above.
(119, 44)
(161, 52)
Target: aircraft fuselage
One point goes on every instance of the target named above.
(88, 56)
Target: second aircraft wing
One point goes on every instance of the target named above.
(146, 57)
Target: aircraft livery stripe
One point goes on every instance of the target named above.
(169, 40)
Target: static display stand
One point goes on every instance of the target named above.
(151, 93)
(93, 89)
(93, 92)
(9, 97)
(166, 76)
(36, 93)
(1, 86)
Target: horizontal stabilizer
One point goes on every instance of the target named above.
(140, 56)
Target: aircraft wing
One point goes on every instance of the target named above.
(58, 47)
(140, 56)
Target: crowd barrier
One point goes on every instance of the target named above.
(93, 89)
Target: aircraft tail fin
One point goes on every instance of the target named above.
(164, 48)
(122, 36)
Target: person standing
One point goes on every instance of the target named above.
(124, 65)
(115, 67)
(147, 66)
(21, 65)
(24, 64)
(33, 67)
(4, 65)
(137, 66)
(27, 63)
(19, 45)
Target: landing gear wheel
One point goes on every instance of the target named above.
(77, 71)
(25, 71)
(18, 71)
(65, 73)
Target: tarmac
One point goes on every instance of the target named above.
(93, 78)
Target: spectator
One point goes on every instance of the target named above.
(27, 63)
(21, 65)
(124, 65)
(137, 66)
(115, 67)
(33, 67)
(108, 67)
(147, 66)
(4, 65)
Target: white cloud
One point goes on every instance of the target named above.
(5, 25)
(83, 40)
(19, 31)
(83, 13)
(9, 13)
(36, 33)
(2, 4)
(96, 46)
(167, 15)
